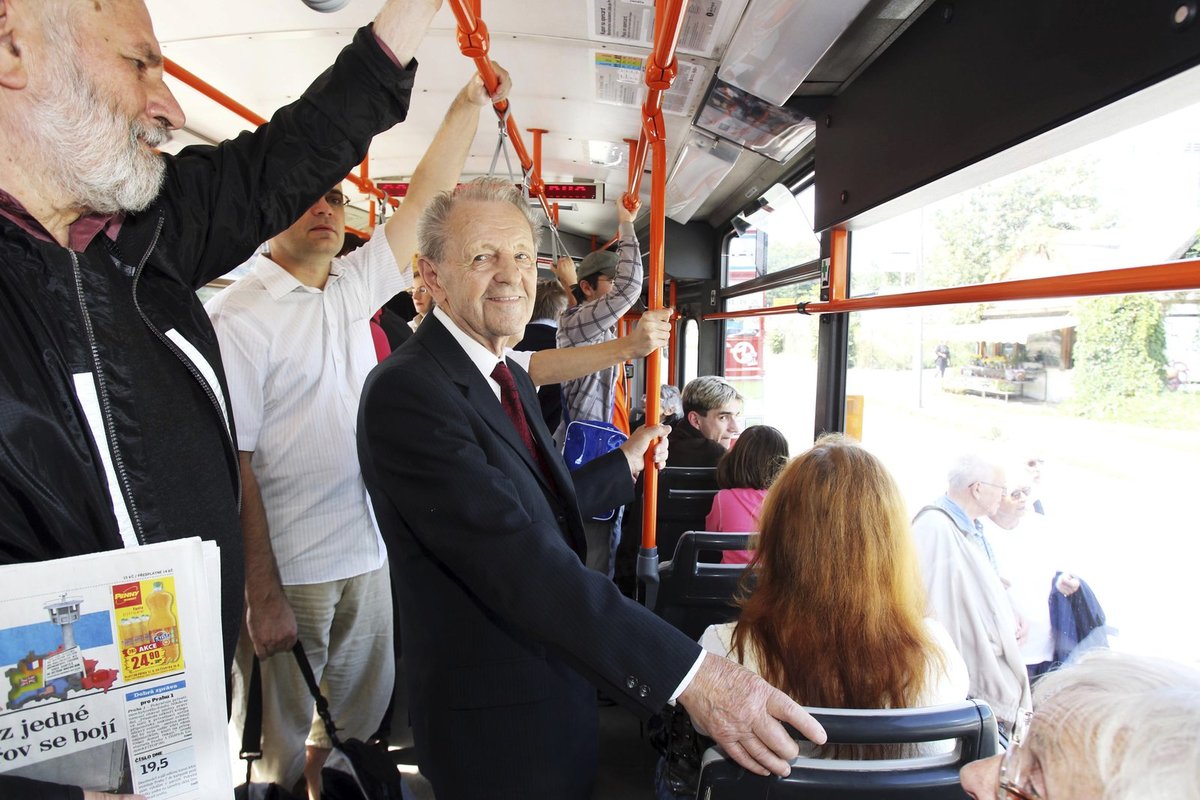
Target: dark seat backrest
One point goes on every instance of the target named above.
(971, 723)
(693, 594)
(685, 496)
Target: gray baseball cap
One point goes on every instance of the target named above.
(599, 262)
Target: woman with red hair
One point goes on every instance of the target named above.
(837, 617)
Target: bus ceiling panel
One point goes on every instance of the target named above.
(264, 54)
(969, 80)
(175, 21)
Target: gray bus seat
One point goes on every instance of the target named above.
(971, 723)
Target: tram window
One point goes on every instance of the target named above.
(691, 350)
(772, 360)
(1129, 199)
(1085, 389)
(779, 236)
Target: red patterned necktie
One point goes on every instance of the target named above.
(511, 402)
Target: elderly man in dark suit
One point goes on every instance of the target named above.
(503, 626)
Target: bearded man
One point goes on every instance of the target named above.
(116, 428)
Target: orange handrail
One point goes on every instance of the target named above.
(474, 42)
(216, 95)
(211, 92)
(661, 69)
(1169, 277)
(658, 191)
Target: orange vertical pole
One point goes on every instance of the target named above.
(658, 227)
(661, 70)
(537, 147)
(633, 165)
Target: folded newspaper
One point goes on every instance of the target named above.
(113, 672)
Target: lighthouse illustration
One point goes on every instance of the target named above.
(52, 676)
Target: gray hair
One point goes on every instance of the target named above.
(671, 404)
(970, 468)
(707, 392)
(551, 300)
(1130, 724)
(433, 231)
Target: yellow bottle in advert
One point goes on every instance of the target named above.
(164, 628)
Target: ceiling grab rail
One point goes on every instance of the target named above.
(474, 43)
(661, 69)
(1169, 277)
(188, 78)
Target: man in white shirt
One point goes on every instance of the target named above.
(296, 344)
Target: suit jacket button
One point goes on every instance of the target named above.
(643, 691)
(630, 682)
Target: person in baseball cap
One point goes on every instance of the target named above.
(596, 272)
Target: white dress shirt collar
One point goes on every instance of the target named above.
(279, 282)
(484, 360)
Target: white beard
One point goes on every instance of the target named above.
(93, 154)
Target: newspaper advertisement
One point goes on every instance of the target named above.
(706, 24)
(113, 672)
(620, 81)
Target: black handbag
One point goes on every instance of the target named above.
(375, 775)
(251, 749)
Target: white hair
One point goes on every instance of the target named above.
(433, 231)
(970, 468)
(91, 152)
(1130, 724)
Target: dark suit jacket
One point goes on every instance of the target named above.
(541, 337)
(499, 616)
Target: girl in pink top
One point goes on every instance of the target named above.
(744, 475)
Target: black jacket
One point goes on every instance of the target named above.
(690, 448)
(109, 356)
(539, 336)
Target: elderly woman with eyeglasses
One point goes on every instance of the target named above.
(1111, 727)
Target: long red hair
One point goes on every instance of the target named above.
(837, 616)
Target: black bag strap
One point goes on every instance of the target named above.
(252, 729)
(945, 514)
(315, 691)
